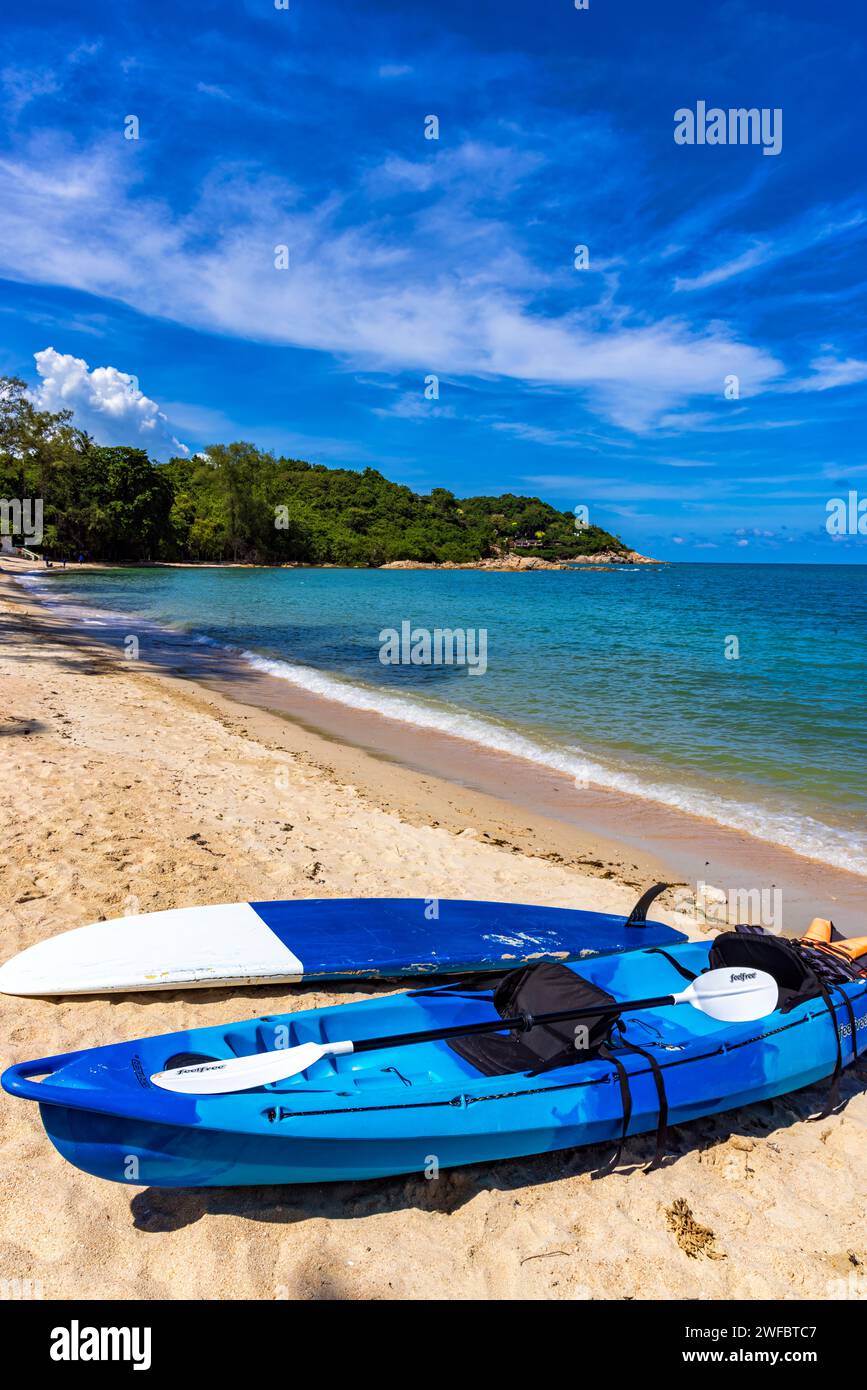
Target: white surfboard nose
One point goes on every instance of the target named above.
(26, 974)
(11, 979)
(183, 947)
(72, 963)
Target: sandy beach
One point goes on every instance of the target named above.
(131, 790)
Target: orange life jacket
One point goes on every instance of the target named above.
(819, 933)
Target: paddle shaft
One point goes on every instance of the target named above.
(519, 1023)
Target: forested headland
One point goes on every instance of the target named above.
(236, 502)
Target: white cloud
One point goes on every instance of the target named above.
(415, 406)
(417, 175)
(615, 489)
(377, 302)
(475, 165)
(725, 420)
(108, 403)
(813, 228)
(756, 255)
(539, 434)
(829, 371)
(685, 463)
(209, 89)
(20, 86)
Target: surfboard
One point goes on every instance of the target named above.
(317, 939)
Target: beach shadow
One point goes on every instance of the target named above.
(167, 653)
(159, 1210)
(20, 728)
(168, 1209)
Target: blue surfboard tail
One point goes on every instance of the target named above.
(385, 937)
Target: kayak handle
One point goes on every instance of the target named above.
(16, 1079)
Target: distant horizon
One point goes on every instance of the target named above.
(471, 248)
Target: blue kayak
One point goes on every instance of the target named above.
(404, 1108)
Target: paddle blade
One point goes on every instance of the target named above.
(240, 1073)
(733, 994)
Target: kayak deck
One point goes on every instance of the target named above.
(401, 1109)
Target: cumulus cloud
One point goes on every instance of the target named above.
(108, 403)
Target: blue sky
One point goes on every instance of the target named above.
(259, 127)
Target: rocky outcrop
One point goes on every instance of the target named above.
(499, 562)
(527, 562)
(615, 557)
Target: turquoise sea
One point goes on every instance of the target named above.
(619, 677)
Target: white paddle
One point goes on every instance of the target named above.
(731, 995)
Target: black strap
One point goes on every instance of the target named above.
(681, 969)
(829, 965)
(626, 1104)
(852, 1024)
(662, 1124)
(833, 1099)
(638, 915)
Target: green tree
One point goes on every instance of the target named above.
(237, 502)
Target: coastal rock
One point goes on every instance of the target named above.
(527, 562)
(617, 557)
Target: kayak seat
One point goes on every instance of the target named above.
(540, 989)
(802, 973)
(795, 977)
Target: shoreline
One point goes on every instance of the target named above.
(321, 732)
(596, 826)
(508, 564)
(130, 790)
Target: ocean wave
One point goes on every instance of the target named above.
(802, 834)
